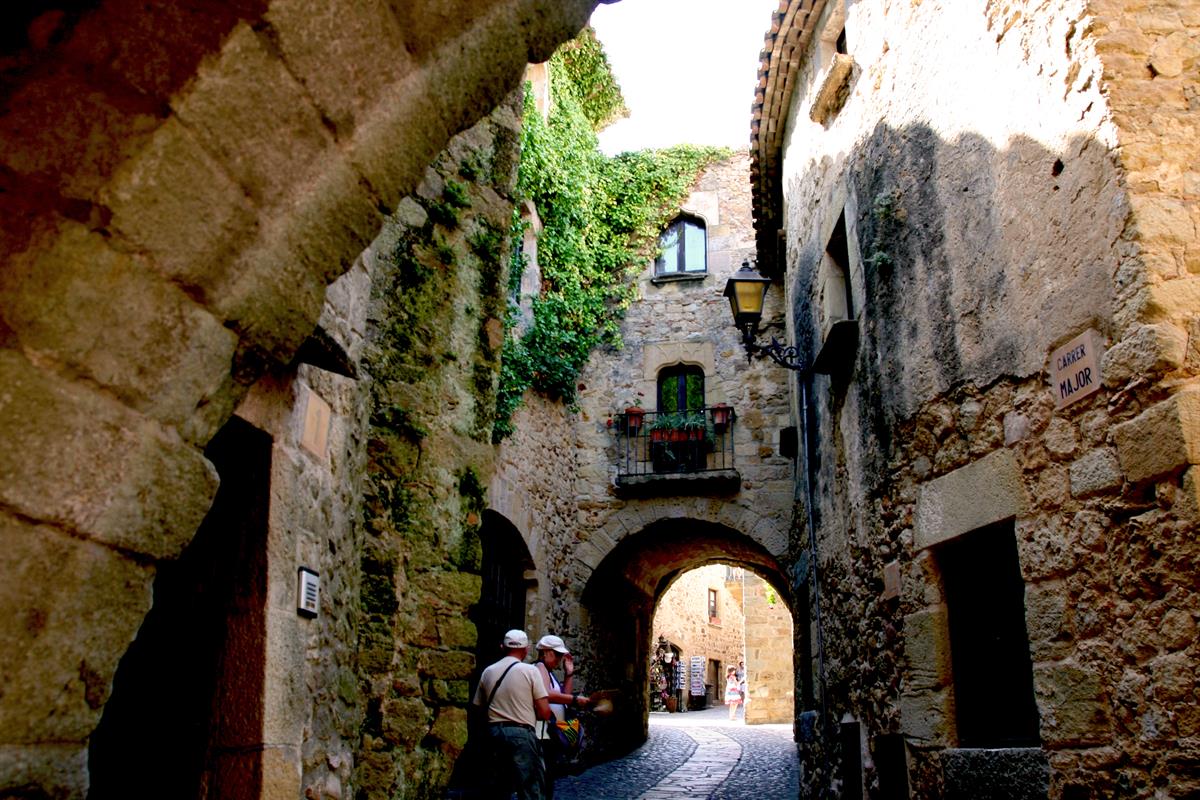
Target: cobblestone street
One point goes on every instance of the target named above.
(698, 754)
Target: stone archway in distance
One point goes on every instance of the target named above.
(619, 601)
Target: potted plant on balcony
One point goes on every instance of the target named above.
(634, 415)
(722, 415)
(679, 440)
(678, 426)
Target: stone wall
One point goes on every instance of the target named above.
(207, 174)
(988, 224)
(438, 293)
(534, 488)
(770, 680)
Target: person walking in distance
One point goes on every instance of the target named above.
(515, 698)
(553, 653)
(733, 691)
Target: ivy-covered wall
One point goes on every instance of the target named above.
(601, 216)
(434, 338)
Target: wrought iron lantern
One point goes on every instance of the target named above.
(747, 290)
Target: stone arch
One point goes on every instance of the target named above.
(620, 596)
(209, 172)
(766, 526)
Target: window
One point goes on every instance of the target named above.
(684, 246)
(713, 609)
(680, 388)
(837, 299)
(989, 648)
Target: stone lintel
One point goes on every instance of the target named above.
(983, 492)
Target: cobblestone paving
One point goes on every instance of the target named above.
(698, 754)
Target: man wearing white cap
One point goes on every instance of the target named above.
(553, 653)
(515, 698)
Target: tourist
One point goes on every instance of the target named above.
(733, 691)
(552, 654)
(514, 696)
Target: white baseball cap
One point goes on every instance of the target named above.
(551, 642)
(516, 638)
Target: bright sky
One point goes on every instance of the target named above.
(687, 69)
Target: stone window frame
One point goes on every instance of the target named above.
(680, 272)
(714, 607)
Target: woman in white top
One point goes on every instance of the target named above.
(552, 654)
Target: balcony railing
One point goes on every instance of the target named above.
(691, 444)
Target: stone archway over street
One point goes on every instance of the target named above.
(619, 600)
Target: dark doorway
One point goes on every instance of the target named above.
(185, 717)
(502, 597)
(989, 648)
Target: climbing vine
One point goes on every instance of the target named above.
(601, 218)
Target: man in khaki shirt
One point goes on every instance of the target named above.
(515, 698)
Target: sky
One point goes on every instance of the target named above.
(687, 69)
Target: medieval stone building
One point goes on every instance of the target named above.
(610, 515)
(257, 537)
(985, 216)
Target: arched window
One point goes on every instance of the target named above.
(684, 248)
(680, 388)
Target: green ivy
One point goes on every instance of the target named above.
(601, 218)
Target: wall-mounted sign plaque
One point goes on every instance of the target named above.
(1075, 368)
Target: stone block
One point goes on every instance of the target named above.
(88, 306)
(1187, 501)
(93, 129)
(1060, 438)
(1046, 621)
(1163, 439)
(58, 770)
(405, 721)
(275, 290)
(281, 771)
(1169, 301)
(1019, 773)
(252, 115)
(285, 703)
(985, 491)
(450, 591)
(1148, 352)
(926, 717)
(892, 580)
(324, 44)
(446, 664)
(61, 639)
(1162, 219)
(1072, 704)
(450, 726)
(926, 650)
(77, 458)
(1095, 472)
(174, 202)
(393, 144)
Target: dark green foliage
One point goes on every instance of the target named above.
(455, 194)
(587, 69)
(601, 219)
(399, 420)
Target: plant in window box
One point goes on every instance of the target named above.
(679, 426)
